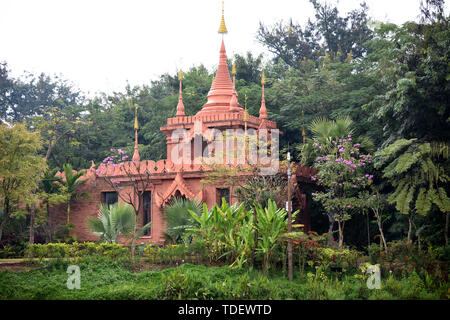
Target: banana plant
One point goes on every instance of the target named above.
(244, 243)
(271, 224)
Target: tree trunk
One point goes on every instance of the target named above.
(4, 216)
(418, 234)
(410, 228)
(32, 214)
(341, 233)
(49, 224)
(2, 225)
(446, 228)
(380, 228)
(133, 242)
(331, 222)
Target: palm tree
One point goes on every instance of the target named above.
(178, 217)
(326, 131)
(118, 219)
(70, 186)
(50, 189)
(50, 184)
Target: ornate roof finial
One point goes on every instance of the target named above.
(136, 123)
(180, 106)
(136, 157)
(223, 28)
(263, 109)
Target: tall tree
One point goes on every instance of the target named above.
(330, 32)
(419, 173)
(410, 65)
(71, 182)
(20, 167)
(50, 192)
(24, 97)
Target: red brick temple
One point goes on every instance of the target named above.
(171, 178)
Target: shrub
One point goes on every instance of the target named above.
(179, 219)
(342, 258)
(76, 249)
(12, 251)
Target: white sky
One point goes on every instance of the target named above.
(99, 45)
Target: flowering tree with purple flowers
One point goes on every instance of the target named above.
(131, 175)
(341, 175)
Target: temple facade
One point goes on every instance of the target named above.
(190, 139)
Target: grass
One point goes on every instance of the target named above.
(115, 279)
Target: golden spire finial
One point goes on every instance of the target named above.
(263, 77)
(180, 75)
(136, 124)
(223, 28)
(233, 69)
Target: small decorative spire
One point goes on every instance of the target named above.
(180, 106)
(263, 109)
(136, 123)
(234, 104)
(263, 77)
(136, 157)
(223, 28)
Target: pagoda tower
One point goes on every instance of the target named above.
(222, 109)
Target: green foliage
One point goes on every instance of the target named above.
(259, 189)
(341, 171)
(8, 251)
(402, 256)
(108, 278)
(76, 249)
(20, 167)
(229, 231)
(112, 222)
(343, 258)
(271, 224)
(329, 32)
(178, 217)
(419, 173)
(221, 230)
(71, 183)
(410, 65)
